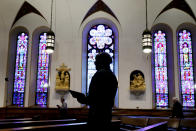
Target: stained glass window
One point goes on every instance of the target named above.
(186, 68)
(100, 39)
(20, 69)
(42, 73)
(161, 77)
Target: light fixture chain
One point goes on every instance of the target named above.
(51, 14)
(146, 15)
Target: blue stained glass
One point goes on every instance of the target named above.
(160, 59)
(188, 100)
(186, 74)
(186, 68)
(162, 100)
(42, 75)
(187, 87)
(160, 74)
(161, 87)
(100, 39)
(42, 98)
(186, 60)
(185, 47)
(20, 69)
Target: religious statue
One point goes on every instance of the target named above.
(137, 84)
(62, 78)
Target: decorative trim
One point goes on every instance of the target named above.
(99, 6)
(25, 9)
(178, 4)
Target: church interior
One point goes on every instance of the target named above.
(48, 47)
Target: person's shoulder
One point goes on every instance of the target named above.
(103, 71)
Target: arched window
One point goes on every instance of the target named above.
(42, 72)
(100, 39)
(186, 68)
(20, 69)
(160, 69)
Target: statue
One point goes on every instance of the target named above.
(62, 78)
(137, 85)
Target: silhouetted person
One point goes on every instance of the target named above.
(101, 94)
(177, 109)
(62, 108)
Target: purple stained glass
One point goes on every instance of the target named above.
(42, 75)
(162, 100)
(188, 100)
(185, 47)
(42, 97)
(20, 69)
(186, 68)
(100, 39)
(161, 87)
(187, 87)
(186, 60)
(186, 74)
(161, 73)
(160, 59)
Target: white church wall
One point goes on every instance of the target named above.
(6, 19)
(3, 61)
(67, 18)
(131, 57)
(68, 48)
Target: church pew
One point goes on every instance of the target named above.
(130, 122)
(34, 123)
(53, 113)
(69, 126)
(155, 120)
(173, 123)
(188, 124)
(162, 126)
(11, 120)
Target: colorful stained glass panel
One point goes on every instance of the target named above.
(188, 100)
(186, 68)
(187, 87)
(186, 60)
(20, 69)
(160, 60)
(161, 87)
(162, 100)
(186, 74)
(100, 39)
(185, 47)
(42, 75)
(42, 97)
(161, 73)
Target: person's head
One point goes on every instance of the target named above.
(62, 99)
(175, 99)
(103, 61)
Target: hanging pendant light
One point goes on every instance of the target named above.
(146, 37)
(50, 39)
(50, 42)
(147, 41)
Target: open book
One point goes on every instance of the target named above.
(81, 98)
